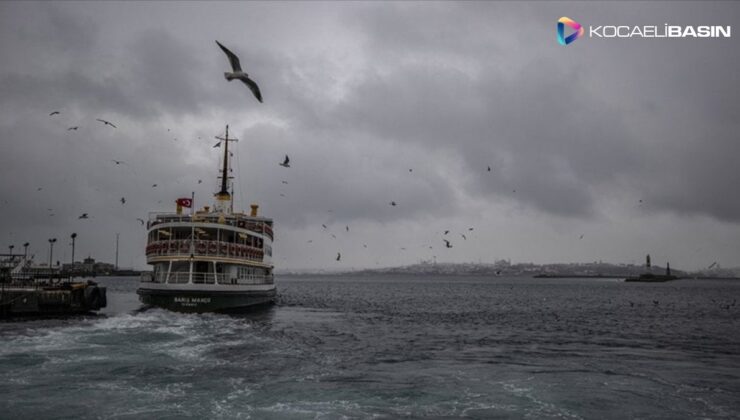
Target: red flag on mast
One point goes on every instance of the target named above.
(184, 202)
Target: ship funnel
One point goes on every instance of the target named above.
(254, 210)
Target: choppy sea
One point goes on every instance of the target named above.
(391, 347)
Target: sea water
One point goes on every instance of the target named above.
(391, 347)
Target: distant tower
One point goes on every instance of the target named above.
(668, 269)
(647, 261)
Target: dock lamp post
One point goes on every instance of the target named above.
(73, 236)
(51, 249)
(10, 247)
(25, 250)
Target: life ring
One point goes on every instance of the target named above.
(212, 247)
(201, 247)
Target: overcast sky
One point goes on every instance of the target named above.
(358, 94)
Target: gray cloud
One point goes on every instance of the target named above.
(357, 94)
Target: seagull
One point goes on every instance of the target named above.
(123, 200)
(447, 243)
(339, 256)
(286, 162)
(239, 74)
(323, 225)
(446, 232)
(140, 221)
(347, 227)
(54, 113)
(282, 195)
(83, 216)
(284, 182)
(470, 229)
(581, 237)
(489, 169)
(217, 145)
(39, 188)
(200, 181)
(463, 236)
(411, 170)
(309, 241)
(106, 122)
(154, 185)
(393, 203)
(73, 128)
(118, 162)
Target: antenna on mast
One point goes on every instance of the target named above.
(223, 198)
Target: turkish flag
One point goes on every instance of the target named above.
(185, 202)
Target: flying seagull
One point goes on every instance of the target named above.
(123, 200)
(339, 256)
(447, 243)
(83, 216)
(54, 113)
(217, 145)
(73, 128)
(118, 162)
(140, 221)
(393, 203)
(489, 169)
(286, 162)
(239, 74)
(106, 122)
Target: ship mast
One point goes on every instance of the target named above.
(224, 174)
(223, 198)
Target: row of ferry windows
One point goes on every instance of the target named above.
(244, 272)
(203, 267)
(206, 235)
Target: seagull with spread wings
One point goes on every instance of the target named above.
(106, 122)
(237, 73)
(286, 162)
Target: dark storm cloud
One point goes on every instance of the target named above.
(357, 94)
(539, 121)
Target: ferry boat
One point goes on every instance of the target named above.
(211, 260)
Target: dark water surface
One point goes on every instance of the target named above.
(391, 347)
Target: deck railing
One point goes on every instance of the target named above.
(186, 247)
(183, 277)
(253, 225)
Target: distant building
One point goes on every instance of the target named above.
(88, 267)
